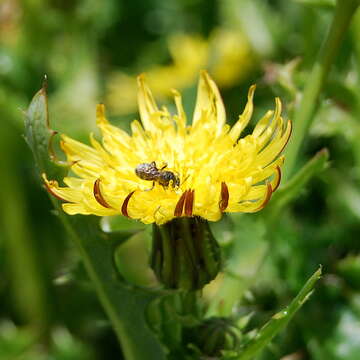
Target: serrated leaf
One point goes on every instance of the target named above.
(278, 321)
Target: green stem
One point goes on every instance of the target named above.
(305, 110)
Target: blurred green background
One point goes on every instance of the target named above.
(91, 52)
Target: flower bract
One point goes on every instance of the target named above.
(210, 168)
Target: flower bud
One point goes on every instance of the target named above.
(185, 254)
(215, 335)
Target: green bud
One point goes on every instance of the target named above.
(185, 254)
(215, 335)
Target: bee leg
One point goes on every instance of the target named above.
(153, 185)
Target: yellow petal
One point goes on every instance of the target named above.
(146, 103)
(209, 105)
(245, 117)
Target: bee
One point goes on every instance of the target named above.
(149, 171)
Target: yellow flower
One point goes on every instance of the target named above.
(216, 171)
(231, 57)
(226, 52)
(181, 73)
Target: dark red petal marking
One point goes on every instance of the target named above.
(189, 202)
(98, 196)
(180, 204)
(124, 206)
(267, 197)
(278, 170)
(48, 188)
(224, 201)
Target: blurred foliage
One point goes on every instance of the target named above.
(91, 52)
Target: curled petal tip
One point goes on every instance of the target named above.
(124, 207)
(100, 109)
(278, 179)
(49, 184)
(100, 114)
(289, 125)
(98, 195)
(141, 78)
(278, 105)
(252, 89)
(267, 198)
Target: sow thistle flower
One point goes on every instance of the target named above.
(208, 170)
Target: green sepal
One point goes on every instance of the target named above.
(214, 336)
(185, 254)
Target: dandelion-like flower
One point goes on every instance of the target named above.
(203, 169)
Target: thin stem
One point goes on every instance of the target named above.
(305, 110)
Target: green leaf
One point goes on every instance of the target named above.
(39, 136)
(278, 321)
